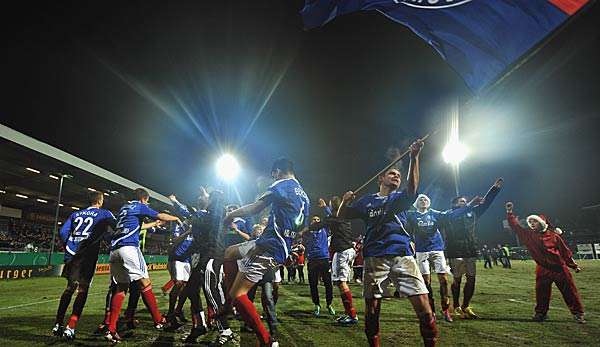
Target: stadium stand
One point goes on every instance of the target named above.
(30, 172)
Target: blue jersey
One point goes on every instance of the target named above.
(425, 229)
(385, 221)
(289, 213)
(129, 224)
(232, 237)
(186, 213)
(316, 244)
(180, 250)
(83, 230)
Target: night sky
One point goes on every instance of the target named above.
(156, 90)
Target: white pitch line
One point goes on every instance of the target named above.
(41, 302)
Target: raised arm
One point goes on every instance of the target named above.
(513, 222)
(244, 235)
(489, 197)
(413, 167)
(346, 211)
(181, 208)
(325, 207)
(247, 210)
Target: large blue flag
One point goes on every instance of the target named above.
(480, 39)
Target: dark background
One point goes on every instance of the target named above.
(155, 91)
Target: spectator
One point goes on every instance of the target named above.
(487, 257)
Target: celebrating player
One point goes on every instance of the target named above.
(207, 273)
(81, 235)
(553, 259)
(424, 223)
(289, 210)
(317, 252)
(179, 268)
(127, 263)
(388, 254)
(343, 255)
(461, 247)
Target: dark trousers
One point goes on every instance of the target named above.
(565, 283)
(319, 269)
(268, 304)
(291, 270)
(207, 275)
(301, 273)
(507, 263)
(358, 272)
(487, 262)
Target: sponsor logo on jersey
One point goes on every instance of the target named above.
(432, 4)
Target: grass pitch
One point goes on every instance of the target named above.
(504, 299)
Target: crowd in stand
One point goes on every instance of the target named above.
(24, 235)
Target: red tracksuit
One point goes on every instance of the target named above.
(553, 258)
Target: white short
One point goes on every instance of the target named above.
(255, 267)
(463, 266)
(340, 265)
(246, 248)
(438, 260)
(402, 272)
(277, 277)
(127, 264)
(179, 270)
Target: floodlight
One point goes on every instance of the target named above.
(228, 167)
(454, 152)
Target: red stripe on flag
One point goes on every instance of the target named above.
(569, 6)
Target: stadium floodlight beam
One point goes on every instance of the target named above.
(454, 152)
(228, 167)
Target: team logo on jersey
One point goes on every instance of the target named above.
(432, 4)
(425, 223)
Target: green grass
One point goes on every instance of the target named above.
(504, 299)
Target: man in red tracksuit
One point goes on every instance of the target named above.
(553, 258)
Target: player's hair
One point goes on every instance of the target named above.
(285, 165)
(455, 199)
(141, 194)
(380, 177)
(94, 197)
(388, 170)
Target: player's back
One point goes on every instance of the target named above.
(129, 223)
(83, 229)
(290, 207)
(289, 212)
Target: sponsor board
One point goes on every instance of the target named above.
(102, 268)
(25, 272)
(585, 248)
(105, 268)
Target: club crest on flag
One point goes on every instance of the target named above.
(432, 4)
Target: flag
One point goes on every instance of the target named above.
(480, 39)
